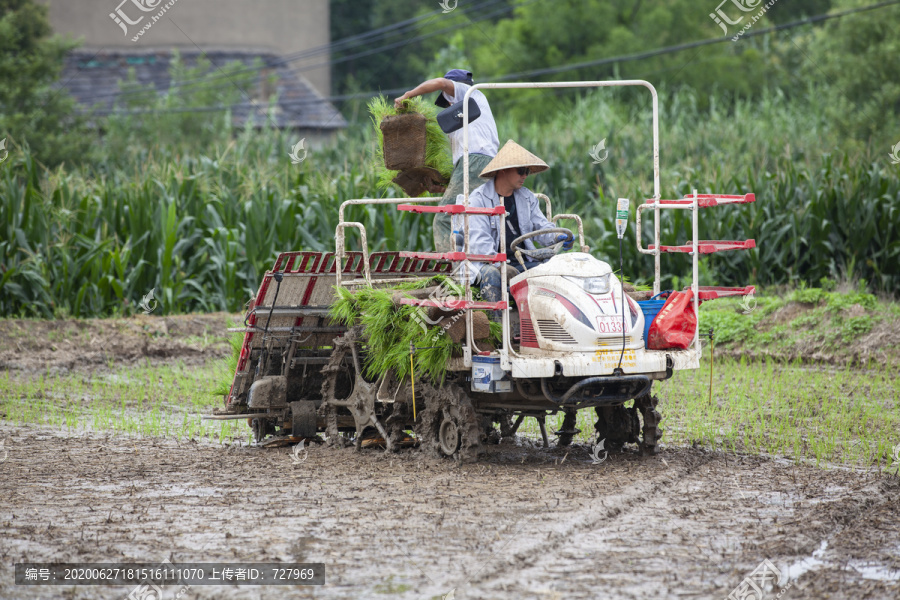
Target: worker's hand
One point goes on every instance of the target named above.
(398, 101)
(568, 241)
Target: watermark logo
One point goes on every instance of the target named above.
(4, 153)
(146, 300)
(596, 152)
(748, 304)
(894, 469)
(759, 583)
(595, 451)
(298, 450)
(123, 20)
(445, 4)
(296, 159)
(745, 6)
(895, 153)
(442, 294)
(147, 590)
(4, 451)
(721, 18)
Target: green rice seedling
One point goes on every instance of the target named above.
(437, 144)
(391, 332)
(227, 368)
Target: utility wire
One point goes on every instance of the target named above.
(343, 43)
(689, 45)
(535, 72)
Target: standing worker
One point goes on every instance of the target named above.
(483, 141)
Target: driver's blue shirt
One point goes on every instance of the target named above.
(484, 231)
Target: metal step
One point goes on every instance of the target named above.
(453, 209)
(708, 246)
(455, 256)
(456, 304)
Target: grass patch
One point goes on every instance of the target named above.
(803, 320)
(825, 415)
(141, 401)
(807, 413)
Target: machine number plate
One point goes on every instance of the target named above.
(609, 324)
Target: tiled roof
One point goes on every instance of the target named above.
(93, 79)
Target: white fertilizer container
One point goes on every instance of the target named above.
(487, 376)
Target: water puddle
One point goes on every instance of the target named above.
(818, 560)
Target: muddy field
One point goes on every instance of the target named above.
(522, 523)
(94, 345)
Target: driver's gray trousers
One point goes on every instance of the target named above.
(489, 280)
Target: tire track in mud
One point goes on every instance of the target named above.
(563, 531)
(525, 522)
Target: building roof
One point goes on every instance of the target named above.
(93, 79)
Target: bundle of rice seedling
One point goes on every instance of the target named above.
(226, 368)
(437, 144)
(390, 329)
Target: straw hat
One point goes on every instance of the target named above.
(512, 155)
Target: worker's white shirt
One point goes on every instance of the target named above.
(482, 131)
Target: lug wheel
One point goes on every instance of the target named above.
(303, 419)
(448, 436)
(568, 431)
(261, 428)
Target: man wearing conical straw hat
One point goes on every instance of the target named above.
(506, 172)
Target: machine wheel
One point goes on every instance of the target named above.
(449, 425)
(303, 418)
(261, 428)
(568, 430)
(448, 436)
(646, 404)
(618, 426)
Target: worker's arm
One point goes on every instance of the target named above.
(539, 221)
(426, 87)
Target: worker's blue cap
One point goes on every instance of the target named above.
(460, 75)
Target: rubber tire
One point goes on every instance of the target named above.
(448, 437)
(303, 419)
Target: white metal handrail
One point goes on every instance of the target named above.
(505, 350)
(694, 207)
(340, 246)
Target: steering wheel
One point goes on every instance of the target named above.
(540, 253)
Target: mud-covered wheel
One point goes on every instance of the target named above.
(449, 404)
(303, 418)
(650, 439)
(448, 435)
(617, 425)
(261, 428)
(568, 431)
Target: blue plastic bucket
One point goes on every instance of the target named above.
(651, 308)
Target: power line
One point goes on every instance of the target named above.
(350, 41)
(689, 45)
(537, 72)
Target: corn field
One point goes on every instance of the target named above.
(200, 228)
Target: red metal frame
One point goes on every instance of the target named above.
(324, 264)
(456, 304)
(708, 246)
(453, 209)
(455, 256)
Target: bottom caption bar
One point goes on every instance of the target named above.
(167, 573)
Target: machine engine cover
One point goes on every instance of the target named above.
(574, 303)
(268, 392)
